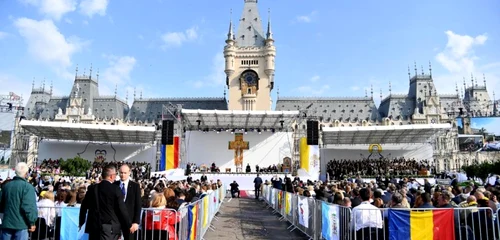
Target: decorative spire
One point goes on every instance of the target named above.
(224, 91)
(366, 92)
(409, 74)
(371, 90)
(422, 67)
(456, 88)
(126, 97)
(475, 79)
(134, 93)
(381, 94)
(43, 85)
(430, 69)
(84, 70)
(141, 95)
(76, 71)
(230, 34)
(465, 84)
(269, 31)
(97, 80)
(116, 90)
(472, 80)
(51, 87)
(278, 92)
(390, 88)
(484, 80)
(33, 84)
(415, 65)
(90, 76)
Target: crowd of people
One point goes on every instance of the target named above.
(344, 168)
(361, 196)
(37, 212)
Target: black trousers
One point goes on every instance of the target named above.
(107, 233)
(233, 193)
(257, 192)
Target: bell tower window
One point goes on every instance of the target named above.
(249, 91)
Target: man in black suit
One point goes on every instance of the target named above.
(107, 213)
(257, 183)
(132, 194)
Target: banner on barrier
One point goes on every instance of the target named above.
(330, 220)
(304, 212)
(288, 203)
(432, 224)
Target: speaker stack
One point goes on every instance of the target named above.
(312, 133)
(167, 132)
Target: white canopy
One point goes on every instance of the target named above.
(401, 134)
(89, 132)
(226, 119)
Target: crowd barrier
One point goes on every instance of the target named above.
(321, 220)
(188, 222)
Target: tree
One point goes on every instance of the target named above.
(75, 166)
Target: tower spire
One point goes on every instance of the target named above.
(224, 91)
(141, 95)
(278, 93)
(76, 71)
(422, 67)
(484, 80)
(390, 88)
(116, 90)
(90, 76)
(371, 90)
(409, 74)
(97, 79)
(134, 92)
(415, 65)
(51, 86)
(366, 92)
(456, 88)
(472, 80)
(380, 94)
(230, 34)
(33, 84)
(430, 69)
(126, 96)
(269, 30)
(43, 85)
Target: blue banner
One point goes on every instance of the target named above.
(330, 220)
(69, 224)
(163, 160)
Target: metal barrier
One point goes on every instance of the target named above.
(188, 222)
(321, 220)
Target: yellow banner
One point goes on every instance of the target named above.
(205, 210)
(304, 154)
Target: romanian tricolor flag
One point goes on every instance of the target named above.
(170, 155)
(421, 224)
(192, 222)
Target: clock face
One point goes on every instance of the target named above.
(250, 78)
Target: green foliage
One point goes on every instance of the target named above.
(75, 166)
(482, 170)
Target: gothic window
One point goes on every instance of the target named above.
(249, 91)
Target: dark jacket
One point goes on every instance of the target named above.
(18, 204)
(133, 203)
(257, 181)
(112, 209)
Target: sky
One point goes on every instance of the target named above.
(166, 48)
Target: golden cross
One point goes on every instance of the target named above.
(238, 145)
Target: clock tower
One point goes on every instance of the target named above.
(249, 66)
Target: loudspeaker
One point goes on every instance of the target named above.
(312, 133)
(167, 132)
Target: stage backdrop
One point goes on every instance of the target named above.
(95, 151)
(265, 149)
(374, 151)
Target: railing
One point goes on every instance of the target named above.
(188, 222)
(321, 220)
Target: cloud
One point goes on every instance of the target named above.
(46, 44)
(307, 18)
(3, 35)
(309, 90)
(217, 77)
(315, 78)
(119, 69)
(176, 39)
(54, 9)
(460, 60)
(93, 7)
(458, 55)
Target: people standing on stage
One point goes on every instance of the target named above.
(248, 168)
(258, 182)
(18, 205)
(107, 213)
(257, 168)
(235, 189)
(132, 194)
